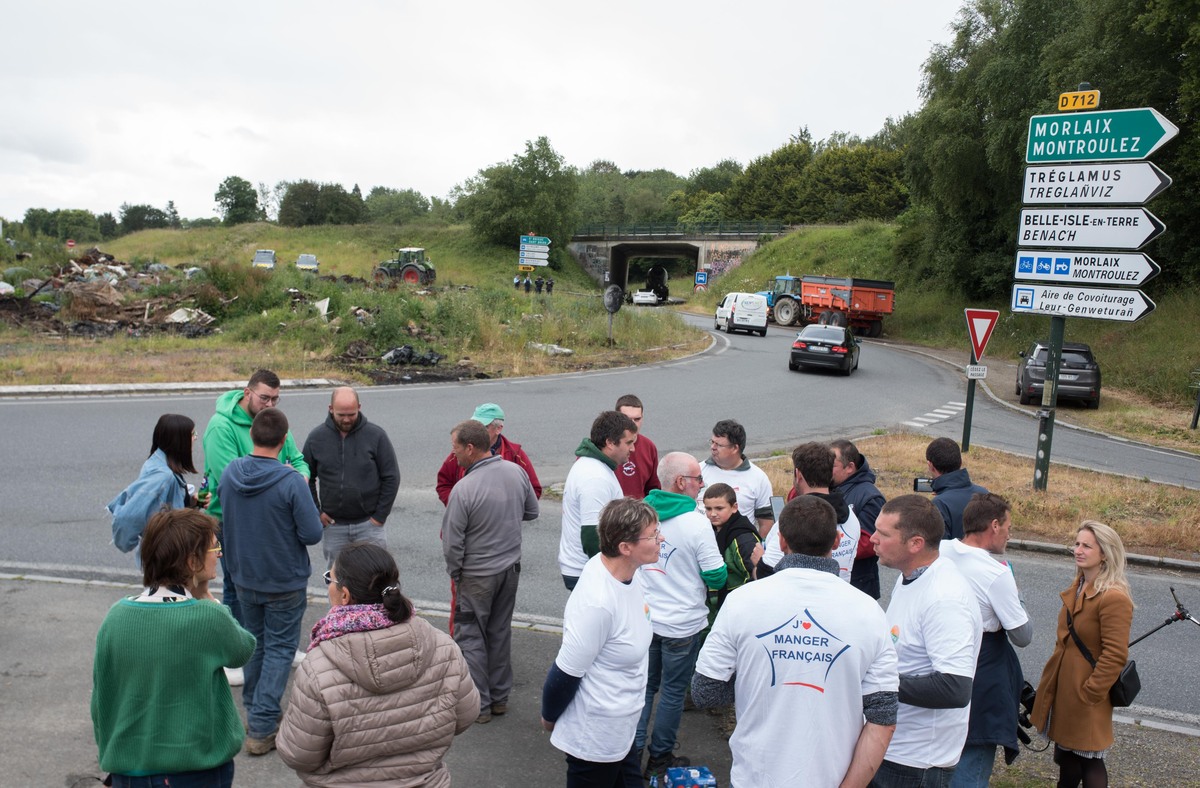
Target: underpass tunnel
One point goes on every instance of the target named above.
(631, 264)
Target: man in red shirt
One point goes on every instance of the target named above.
(639, 474)
(491, 417)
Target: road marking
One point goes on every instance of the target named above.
(947, 411)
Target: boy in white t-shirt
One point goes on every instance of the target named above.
(936, 627)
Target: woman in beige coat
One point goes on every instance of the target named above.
(1072, 704)
(382, 694)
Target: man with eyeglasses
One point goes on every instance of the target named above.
(728, 465)
(676, 587)
(226, 438)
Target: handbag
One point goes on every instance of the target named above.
(1128, 684)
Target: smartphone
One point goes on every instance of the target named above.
(777, 503)
(922, 485)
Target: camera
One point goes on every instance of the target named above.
(1028, 696)
(922, 485)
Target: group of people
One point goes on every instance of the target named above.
(828, 687)
(537, 284)
(684, 577)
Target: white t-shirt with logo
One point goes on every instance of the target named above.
(805, 648)
(752, 486)
(606, 640)
(993, 583)
(590, 486)
(674, 589)
(844, 553)
(936, 626)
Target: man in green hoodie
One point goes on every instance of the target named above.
(227, 437)
(591, 484)
(689, 566)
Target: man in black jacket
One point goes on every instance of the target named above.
(855, 480)
(355, 476)
(952, 485)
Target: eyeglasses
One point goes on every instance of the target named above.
(656, 535)
(329, 578)
(216, 549)
(264, 399)
(699, 479)
(717, 445)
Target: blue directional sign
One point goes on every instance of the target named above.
(702, 277)
(538, 240)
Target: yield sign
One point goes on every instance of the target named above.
(980, 323)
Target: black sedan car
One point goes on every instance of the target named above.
(825, 346)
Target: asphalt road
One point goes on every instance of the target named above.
(65, 457)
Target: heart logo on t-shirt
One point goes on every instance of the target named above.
(805, 624)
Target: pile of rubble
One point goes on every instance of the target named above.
(89, 299)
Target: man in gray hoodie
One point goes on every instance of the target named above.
(270, 519)
(481, 541)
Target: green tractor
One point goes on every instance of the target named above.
(410, 265)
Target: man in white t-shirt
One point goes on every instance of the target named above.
(812, 474)
(936, 628)
(996, 693)
(592, 483)
(808, 661)
(676, 586)
(728, 464)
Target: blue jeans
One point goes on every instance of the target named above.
(974, 769)
(895, 775)
(274, 620)
(672, 662)
(229, 595)
(340, 534)
(217, 777)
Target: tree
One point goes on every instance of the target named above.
(77, 224)
(237, 201)
(394, 206)
(142, 217)
(714, 180)
(532, 193)
(172, 214)
(299, 205)
(768, 187)
(108, 226)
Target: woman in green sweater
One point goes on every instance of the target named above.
(162, 711)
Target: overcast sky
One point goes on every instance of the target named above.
(108, 103)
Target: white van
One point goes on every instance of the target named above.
(742, 312)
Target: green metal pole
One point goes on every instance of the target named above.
(966, 440)
(1041, 466)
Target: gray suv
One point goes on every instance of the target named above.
(1078, 377)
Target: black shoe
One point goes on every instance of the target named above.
(657, 765)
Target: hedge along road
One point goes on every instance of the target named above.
(66, 457)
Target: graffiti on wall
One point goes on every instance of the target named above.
(722, 261)
(594, 259)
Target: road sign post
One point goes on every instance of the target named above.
(980, 325)
(533, 250)
(1092, 158)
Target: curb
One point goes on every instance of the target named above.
(1134, 559)
(82, 389)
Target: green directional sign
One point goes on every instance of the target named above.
(1107, 135)
(536, 240)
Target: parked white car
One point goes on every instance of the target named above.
(742, 312)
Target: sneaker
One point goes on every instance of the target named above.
(235, 676)
(657, 765)
(484, 717)
(299, 657)
(500, 708)
(260, 746)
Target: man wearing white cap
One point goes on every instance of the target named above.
(490, 416)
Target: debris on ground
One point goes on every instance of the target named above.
(551, 349)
